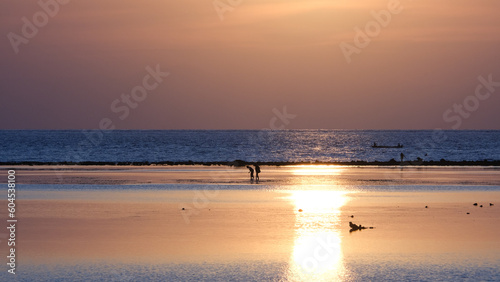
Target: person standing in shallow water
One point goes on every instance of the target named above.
(250, 171)
(402, 157)
(257, 171)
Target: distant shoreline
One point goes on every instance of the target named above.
(239, 163)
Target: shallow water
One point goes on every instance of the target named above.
(286, 229)
(385, 269)
(318, 247)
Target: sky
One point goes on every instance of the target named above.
(241, 64)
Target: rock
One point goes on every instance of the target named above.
(238, 163)
(355, 227)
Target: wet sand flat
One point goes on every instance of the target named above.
(322, 174)
(289, 221)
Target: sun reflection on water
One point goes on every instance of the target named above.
(317, 252)
(316, 169)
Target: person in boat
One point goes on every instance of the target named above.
(374, 144)
(250, 170)
(257, 171)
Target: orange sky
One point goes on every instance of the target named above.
(229, 70)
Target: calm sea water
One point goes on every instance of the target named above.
(386, 269)
(247, 145)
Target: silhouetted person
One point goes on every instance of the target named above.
(257, 171)
(250, 171)
(402, 156)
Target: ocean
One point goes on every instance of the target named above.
(247, 145)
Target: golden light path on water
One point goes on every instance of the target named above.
(317, 252)
(316, 170)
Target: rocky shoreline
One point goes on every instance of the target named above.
(238, 163)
